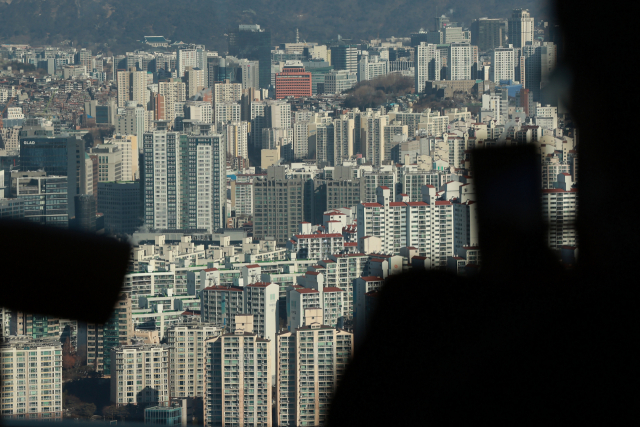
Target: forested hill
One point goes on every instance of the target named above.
(119, 23)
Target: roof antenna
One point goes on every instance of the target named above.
(297, 36)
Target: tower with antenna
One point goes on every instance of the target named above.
(297, 36)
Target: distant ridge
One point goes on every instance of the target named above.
(120, 23)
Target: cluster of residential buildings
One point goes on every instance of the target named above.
(264, 216)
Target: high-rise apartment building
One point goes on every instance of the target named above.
(187, 357)
(238, 382)
(539, 61)
(109, 162)
(162, 171)
(250, 74)
(132, 86)
(139, 375)
(311, 361)
(372, 131)
(520, 28)
(370, 68)
(236, 138)
(186, 57)
(503, 64)
(253, 43)
(31, 378)
(227, 111)
(279, 206)
(219, 305)
(97, 340)
(195, 80)
(427, 67)
(173, 91)
(343, 139)
(128, 145)
(460, 61)
(34, 326)
(130, 120)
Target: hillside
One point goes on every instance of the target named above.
(119, 23)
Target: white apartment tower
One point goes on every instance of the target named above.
(162, 169)
(503, 64)
(427, 65)
(31, 378)
(460, 61)
(140, 375)
(187, 357)
(236, 135)
(311, 362)
(185, 58)
(238, 378)
(172, 91)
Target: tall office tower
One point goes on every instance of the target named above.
(345, 57)
(372, 130)
(226, 92)
(149, 364)
(503, 64)
(128, 145)
(195, 80)
(301, 140)
(344, 131)
(119, 202)
(173, 91)
(238, 384)
(258, 122)
(132, 86)
(236, 135)
(310, 364)
(293, 81)
(226, 112)
(540, 60)
(520, 28)
(427, 65)
(130, 120)
(205, 194)
(187, 357)
(460, 56)
(45, 199)
(96, 340)
(162, 172)
(279, 204)
(253, 43)
(488, 34)
(322, 138)
(38, 393)
(186, 57)
(109, 162)
(250, 74)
